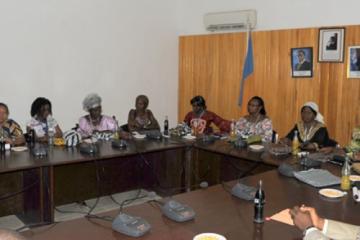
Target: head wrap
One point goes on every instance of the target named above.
(91, 101)
(315, 107)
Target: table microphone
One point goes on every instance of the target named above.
(177, 211)
(132, 226)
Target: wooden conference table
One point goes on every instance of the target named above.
(36, 184)
(216, 211)
(169, 163)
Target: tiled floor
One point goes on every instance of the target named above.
(78, 210)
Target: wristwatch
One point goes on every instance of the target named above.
(307, 229)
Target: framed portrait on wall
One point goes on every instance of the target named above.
(302, 62)
(331, 44)
(353, 66)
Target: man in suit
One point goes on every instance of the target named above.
(303, 64)
(316, 228)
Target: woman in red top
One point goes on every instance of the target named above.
(200, 119)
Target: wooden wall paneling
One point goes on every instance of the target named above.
(211, 65)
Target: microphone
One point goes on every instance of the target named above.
(133, 226)
(286, 170)
(243, 191)
(177, 211)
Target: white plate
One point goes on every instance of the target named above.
(19, 149)
(189, 137)
(354, 178)
(209, 236)
(331, 193)
(256, 148)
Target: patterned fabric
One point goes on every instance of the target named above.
(317, 134)
(86, 128)
(307, 134)
(262, 128)
(11, 129)
(42, 128)
(202, 123)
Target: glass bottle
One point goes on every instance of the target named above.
(232, 130)
(116, 133)
(166, 126)
(259, 202)
(345, 175)
(295, 143)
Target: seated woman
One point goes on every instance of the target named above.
(256, 122)
(142, 118)
(10, 130)
(42, 121)
(95, 122)
(312, 133)
(200, 118)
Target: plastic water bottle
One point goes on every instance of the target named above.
(259, 202)
(51, 134)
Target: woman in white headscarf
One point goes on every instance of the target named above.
(312, 132)
(95, 121)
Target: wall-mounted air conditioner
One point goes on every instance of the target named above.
(230, 21)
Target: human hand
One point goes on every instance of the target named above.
(326, 150)
(285, 141)
(301, 219)
(125, 135)
(316, 220)
(308, 146)
(356, 156)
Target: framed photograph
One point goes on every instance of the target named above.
(353, 66)
(331, 44)
(302, 62)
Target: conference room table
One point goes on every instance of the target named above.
(217, 211)
(171, 164)
(35, 184)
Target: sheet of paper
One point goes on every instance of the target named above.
(283, 216)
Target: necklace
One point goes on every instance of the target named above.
(256, 120)
(308, 132)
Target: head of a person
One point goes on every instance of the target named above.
(4, 113)
(301, 55)
(309, 112)
(141, 102)
(41, 108)
(92, 104)
(333, 39)
(6, 234)
(198, 104)
(256, 105)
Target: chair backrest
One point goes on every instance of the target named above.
(273, 138)
(125, 127)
